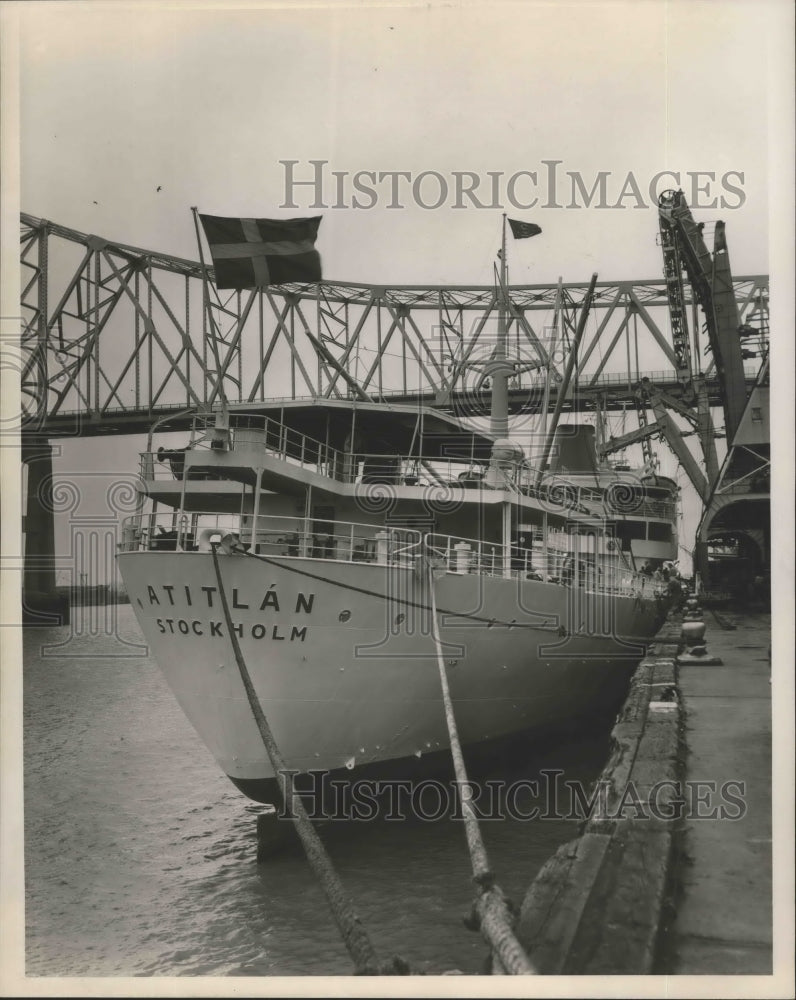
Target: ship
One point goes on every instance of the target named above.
(355, 542)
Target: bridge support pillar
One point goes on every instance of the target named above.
(41, 604)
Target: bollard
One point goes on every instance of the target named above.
(692, 635)
(382, 547)
(698, 656)
(464, 557)
(692, 632)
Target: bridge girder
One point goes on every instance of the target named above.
(115, 335)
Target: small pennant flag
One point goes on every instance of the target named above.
(522, 230)
(251, 253)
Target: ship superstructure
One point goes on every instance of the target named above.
(324, 536)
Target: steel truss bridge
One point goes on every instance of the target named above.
(114, 336)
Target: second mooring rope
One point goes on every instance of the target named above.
(490, 904)
(354, 934)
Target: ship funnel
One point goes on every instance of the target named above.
(574, 449)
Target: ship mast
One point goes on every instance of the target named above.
(500, 368)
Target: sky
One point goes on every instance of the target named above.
(131, 115)
(204, 104)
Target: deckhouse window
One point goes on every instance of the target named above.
(660, 532)
(631, 530)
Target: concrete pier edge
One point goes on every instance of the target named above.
(598, 904)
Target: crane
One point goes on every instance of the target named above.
(685, 253)
(684, 250)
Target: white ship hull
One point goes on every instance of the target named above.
(344, 663)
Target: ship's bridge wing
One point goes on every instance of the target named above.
(377, 428)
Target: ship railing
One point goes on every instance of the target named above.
(601, 573)
(453, 473)
(369, 469)
(635, 508)
(558, 491)
(167, 464)
(485, 558)
(170, 464)
(465, 555)
(365, 469)
(656, 508)
(275, 535)
(266, 434)
(348, 541)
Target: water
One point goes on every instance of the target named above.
(140, 854)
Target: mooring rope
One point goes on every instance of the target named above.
(354, 934)
(490, 906)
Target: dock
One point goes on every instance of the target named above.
(672, 871)
(723, 916)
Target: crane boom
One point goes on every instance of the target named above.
(729, 363)
(664, 425)
(673, 273)
(676, 442)
(632, 437)
(711, 279)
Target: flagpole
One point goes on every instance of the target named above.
(499, 410)
(209, 314)
(503, 262)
